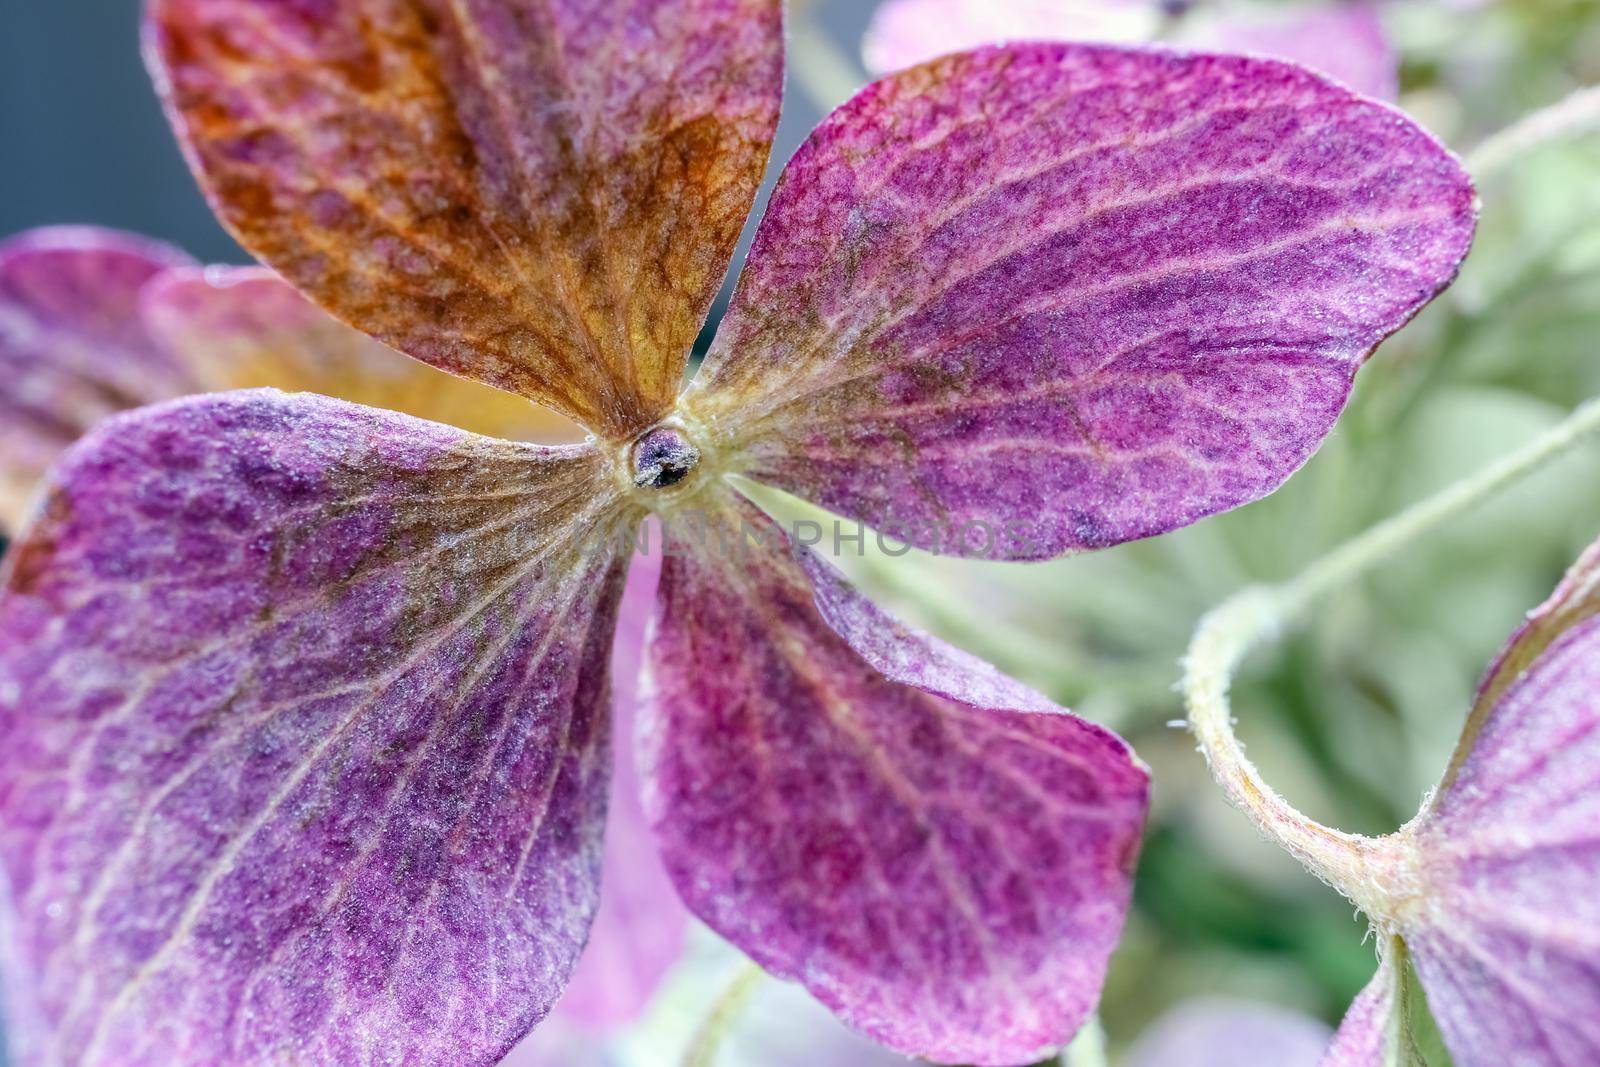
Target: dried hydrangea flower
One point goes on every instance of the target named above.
(304, 702)
(94, 322)
(1490, 893)
(1343, 40)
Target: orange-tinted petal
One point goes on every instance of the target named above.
(243, 327)
(542, 196)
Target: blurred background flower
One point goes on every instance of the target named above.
(1351, 717)
(1345, 40)
(1224, 1032)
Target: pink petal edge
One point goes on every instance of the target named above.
(950, 879)
(1368, 1033)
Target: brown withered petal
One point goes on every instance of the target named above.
(544, 197)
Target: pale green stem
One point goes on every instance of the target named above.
(819, 66)
(1088, 1049)
(722, 1015)
(1400, 1043)
(1573, 116)
(1364, 869)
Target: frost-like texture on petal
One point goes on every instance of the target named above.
(1221, 1032)
(1507, 922)
(1343, 40)
(72, 348)
(302, 715)
(244, 328)
(949, 878)
(640, 929)
(541, 195)
(1081, 294)
(904, 33)
(1369, 1034)
(641, 926)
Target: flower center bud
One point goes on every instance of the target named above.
(663, 456)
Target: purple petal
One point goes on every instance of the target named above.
(640, 929)
(301, 707)
(542, 196)
(1505, 942)
(1072, 295)
(245, 328)
(1343, 40)
(1219, 1032)
(1370, 1035)
(949, 878)
(72, 348)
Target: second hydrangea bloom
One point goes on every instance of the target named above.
(1489, 893)
(304, 701)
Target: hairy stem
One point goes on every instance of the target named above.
(1366, 870)
(722, 1015)
(1572, 116)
